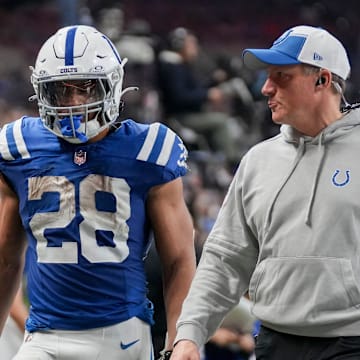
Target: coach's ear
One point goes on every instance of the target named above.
(320, 81)
(324, 78)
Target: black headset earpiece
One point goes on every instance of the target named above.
(320, 81)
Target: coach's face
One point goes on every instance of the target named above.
(291, 94)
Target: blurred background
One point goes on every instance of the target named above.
(222, 26)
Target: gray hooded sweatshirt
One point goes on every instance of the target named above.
(289, 233)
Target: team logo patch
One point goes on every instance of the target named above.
(80, 157)
(341, 179)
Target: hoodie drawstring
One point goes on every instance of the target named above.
(321, 153)
(299, 154)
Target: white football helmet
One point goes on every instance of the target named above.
(78, 59)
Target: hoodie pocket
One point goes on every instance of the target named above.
(301, 290)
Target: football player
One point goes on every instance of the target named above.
(90, 191)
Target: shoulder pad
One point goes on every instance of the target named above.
(163, 147)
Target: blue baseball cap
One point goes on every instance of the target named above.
(302, 45)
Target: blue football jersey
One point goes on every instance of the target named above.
(84, 211)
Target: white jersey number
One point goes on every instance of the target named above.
(93, 219)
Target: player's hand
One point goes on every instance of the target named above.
(185, 350)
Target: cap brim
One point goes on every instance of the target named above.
(261, 58)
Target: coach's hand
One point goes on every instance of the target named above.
(185, 350)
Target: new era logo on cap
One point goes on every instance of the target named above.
(302, 44)
(317, 57)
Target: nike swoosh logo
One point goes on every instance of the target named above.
(126, 346)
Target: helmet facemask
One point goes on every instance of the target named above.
(75, 109)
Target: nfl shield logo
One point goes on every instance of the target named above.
(80, 157)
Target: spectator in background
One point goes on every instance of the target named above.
(139, 45)
(234, 339)
(69, 11)
(227, 344)
(190, 103)
(110, 21)
(10, 112)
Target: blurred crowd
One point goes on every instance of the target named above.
(155, 47)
